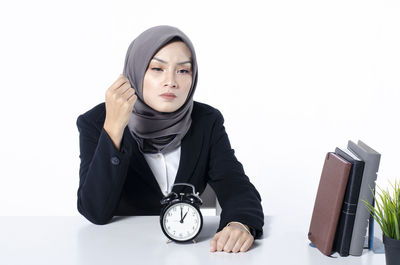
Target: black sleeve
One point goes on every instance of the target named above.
(102, 172)
(239, 199)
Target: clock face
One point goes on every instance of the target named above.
(182, 222)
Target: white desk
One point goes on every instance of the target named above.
(139, 240)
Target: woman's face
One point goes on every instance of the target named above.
(168, 78)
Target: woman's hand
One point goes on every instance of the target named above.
(232, 238)
(120, 98)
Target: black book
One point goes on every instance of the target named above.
(344, 229)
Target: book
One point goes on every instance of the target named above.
(347, 215)
(328, 202)
(371, 159)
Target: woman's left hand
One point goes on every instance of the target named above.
(232, 238)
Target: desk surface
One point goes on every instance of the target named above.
(139, 239)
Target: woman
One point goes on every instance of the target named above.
(150, 134)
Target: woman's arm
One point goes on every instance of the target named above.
(102, 172)
(104, 156)
(239, 199)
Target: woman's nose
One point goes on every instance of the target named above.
(170, 79)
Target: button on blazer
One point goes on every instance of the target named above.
(116, 182)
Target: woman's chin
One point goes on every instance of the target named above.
(167, 107)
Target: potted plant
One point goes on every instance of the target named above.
(387, 213)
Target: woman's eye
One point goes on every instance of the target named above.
(156, 69)
(182, 71)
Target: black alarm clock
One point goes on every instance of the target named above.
(180, 218)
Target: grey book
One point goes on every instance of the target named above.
(371, 159)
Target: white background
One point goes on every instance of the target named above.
(293, 79)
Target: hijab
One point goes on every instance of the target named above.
(156, 131)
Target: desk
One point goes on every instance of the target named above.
(139, 240)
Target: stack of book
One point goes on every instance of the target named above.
(340, 219)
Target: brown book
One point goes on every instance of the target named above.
(328, 203)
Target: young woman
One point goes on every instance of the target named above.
(150, 134)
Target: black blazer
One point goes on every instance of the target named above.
(115, 183)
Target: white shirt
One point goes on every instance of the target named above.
(164, 167)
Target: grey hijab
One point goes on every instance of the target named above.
(156, 131)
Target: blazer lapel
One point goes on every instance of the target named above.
(140, 162)
(191, 146)
(137, 158)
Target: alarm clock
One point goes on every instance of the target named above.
(180, 218)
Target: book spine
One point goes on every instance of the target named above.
(346, 222)
(362, 214)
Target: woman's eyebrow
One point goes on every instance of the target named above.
(162, 61)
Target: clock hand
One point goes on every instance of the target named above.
(181, 215)
(185, 216)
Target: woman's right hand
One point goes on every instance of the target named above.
(120, 98)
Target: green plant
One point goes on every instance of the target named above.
(387, 211)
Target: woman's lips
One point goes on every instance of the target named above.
(169, 96)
